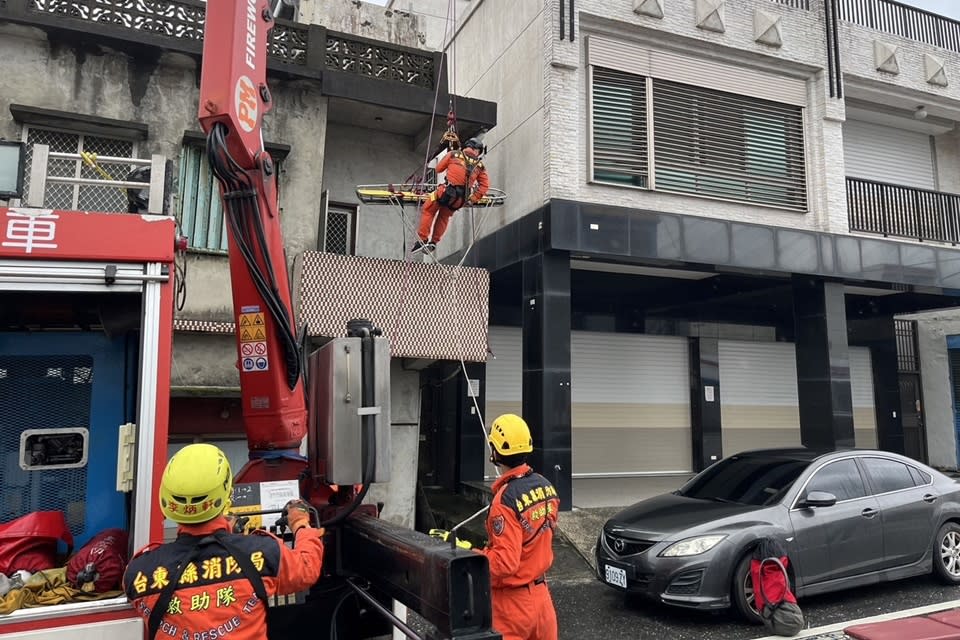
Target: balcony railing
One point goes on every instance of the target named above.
(177, 25)
(796, 4)
(902, 20)
(904, 212)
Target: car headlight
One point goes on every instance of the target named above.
(692, 546)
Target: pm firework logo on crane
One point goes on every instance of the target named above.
(246, 104)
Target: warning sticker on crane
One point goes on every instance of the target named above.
(251, 319)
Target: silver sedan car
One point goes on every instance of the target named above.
(847, 518)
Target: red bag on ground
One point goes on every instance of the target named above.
(99, 565)
(30, 542)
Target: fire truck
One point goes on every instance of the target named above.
(86, 301)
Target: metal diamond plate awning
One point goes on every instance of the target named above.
(430, 311)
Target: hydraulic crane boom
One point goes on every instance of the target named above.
(368, 561)
(233, 99)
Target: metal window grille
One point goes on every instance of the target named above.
(61, 386)
(907, 358)
(619, 134)
(74, 196)
(339, 237)
(200, 205)
(704, 142)
(728, 146)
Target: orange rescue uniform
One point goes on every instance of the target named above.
(466, 179)
(213, 599)
(523, 515)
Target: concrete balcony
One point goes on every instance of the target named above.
(379, 74)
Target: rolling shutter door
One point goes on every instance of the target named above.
(861, 383)
(631, 399)
(758, 395)
(631, 404)
(759, 402)
(886, 154)
(504, 380)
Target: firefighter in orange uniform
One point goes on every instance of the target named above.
(520, 524)
(466, 181)
(210, 583)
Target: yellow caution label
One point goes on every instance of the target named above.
(251, 327)
(251, 319)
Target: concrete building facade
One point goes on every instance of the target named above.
(717, 210)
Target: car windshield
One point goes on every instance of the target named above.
(752, 480)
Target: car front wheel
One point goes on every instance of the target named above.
(946, 553)
(742, 592)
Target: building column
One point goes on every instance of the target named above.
(880, 335)
(473, 446)
(705, 402)
(823, 364)
(546, 367)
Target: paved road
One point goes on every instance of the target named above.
(587, 609)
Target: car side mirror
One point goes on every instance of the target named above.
(819, 499)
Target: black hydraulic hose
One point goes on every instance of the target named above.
(240, 204)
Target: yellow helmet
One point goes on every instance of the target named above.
(510, 435)
(196, 484)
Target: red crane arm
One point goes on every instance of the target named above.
(233, 98)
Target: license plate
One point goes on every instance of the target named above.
(615, 576)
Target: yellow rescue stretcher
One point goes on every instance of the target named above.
(409, 193)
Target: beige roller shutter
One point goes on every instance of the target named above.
(759, 401)
(758, 395)
(631, 404)
(631, 399)
(861, 383)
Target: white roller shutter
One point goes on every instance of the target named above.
(758, 395)
(886, 154)
(861, 386)
(504, 380)
(631, 399)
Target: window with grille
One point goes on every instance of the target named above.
(80, 197)
(201, 209)
(339, 228)
(702, 141)
(200, 205)
(619, 128)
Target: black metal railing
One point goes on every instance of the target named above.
(902, 20)
(904, 212)
(796, 4)
(177, 25)
(907, 359)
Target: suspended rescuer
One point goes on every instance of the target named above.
(520, 524)
(210, 583)
(466, 181)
